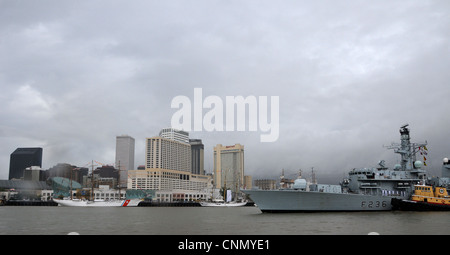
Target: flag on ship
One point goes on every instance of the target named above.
(424, 152)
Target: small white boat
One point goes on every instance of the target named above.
(97, 203)
(223, 204)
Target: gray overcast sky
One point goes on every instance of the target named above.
(75, 74)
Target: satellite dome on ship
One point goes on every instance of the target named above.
(300, 184)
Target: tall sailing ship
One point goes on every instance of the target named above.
(70, 201)
(98, 203)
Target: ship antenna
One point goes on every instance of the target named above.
(313, 176)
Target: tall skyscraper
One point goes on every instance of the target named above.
(167, 154)
(229, 167)
(197, 160)
(22, 158)
(124, 156)
(175, 134)
(168, 169)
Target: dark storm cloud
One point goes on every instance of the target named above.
(348, 75)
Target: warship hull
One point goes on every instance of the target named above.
(307, 201)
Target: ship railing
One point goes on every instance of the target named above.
(368, 185)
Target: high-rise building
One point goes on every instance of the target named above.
(34, 173)
(124, 156)
(167, 154)
(248, 183)
(175, 134)
(168, 172)
(197, 160)
(229, 167)
(22, 158)
(125, 152)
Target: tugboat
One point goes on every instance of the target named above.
(432, 196)
(424, 199)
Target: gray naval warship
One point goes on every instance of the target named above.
(366, 189)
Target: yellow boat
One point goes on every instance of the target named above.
(425, 198)
(425, 194)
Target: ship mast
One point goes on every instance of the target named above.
(71, 177)
(118, 181)
(406, 149)
(92, 181)
(313, 176)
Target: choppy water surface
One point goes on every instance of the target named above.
(35, 220)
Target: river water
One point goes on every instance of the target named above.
(36, 220)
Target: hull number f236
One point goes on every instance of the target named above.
(373, 204)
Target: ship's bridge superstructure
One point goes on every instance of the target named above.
(384, 181)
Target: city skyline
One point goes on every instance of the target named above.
(345, 80)
(125, 149)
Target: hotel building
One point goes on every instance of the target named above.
(175, 135)
(229, 167)
(167, 154)
(168, 171)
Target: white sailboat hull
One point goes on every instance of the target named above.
(218, 204)
(98, 203)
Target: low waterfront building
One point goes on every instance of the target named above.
(179, 196)
(22, 189)
(105, 193)
(46, 194)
